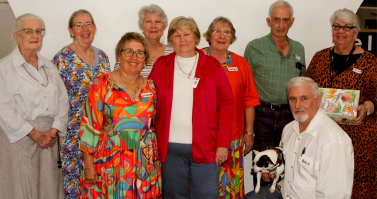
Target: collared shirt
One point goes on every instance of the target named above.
(24, 98)
(319, 161)
(271, 69)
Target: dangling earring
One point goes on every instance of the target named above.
(117, 66)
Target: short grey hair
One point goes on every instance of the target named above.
(347, 16)
(153, 8)
(302, 81)
(222, 20)
(280, 3)
(20, 19)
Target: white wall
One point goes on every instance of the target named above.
(114, 18)
(7, 21)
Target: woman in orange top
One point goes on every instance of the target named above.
(220, 35)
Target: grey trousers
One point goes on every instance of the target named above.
(182, 178)
(28, 171)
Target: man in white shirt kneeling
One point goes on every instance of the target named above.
(318, 154)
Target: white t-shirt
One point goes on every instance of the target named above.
(183, 93)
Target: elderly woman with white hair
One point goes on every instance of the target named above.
(347, 66)
(34, 112)
(152, 22)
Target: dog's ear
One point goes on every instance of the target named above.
(256, 152)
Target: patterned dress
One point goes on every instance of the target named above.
(116, 131)
(77, 77)
(363, 136)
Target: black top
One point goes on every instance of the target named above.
(339, 63)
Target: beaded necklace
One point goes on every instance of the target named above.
(228, 61)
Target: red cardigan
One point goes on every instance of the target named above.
(212, 109)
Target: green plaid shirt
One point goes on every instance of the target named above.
(271, 70)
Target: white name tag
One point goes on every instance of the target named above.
(297, 57)
(144, 95)
(233, 69)
(358, 71)
(195, 83)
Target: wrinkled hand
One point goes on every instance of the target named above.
(53, 134)
(361, 115)
(268, 177)
(249, 143)
(91, 175)
(221, 155)
(43, 139)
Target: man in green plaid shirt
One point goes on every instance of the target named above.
(274, 59)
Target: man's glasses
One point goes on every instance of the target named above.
(345, 28)
(81, 25)
(130, 53)
(219, 33)
(29, 31)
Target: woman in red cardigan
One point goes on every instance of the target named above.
(194, 115)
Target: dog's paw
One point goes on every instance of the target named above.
(272, 189)
(257, 189)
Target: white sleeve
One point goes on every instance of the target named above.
(335, 177)
(11, 121)
(61, 119)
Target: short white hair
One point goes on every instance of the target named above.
(20, 19)
(347, 16)
(302, 81)
(280, 3)
(153, 8)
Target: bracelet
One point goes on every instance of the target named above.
(368, 109)
(250, 134)
(89, 167)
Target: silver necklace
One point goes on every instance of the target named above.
(128, 86)
(35, 78)
(189, 74)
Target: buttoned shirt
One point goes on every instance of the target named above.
(319, 161)
(271, 69)
(25, 98)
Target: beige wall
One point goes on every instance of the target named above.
(7, 21)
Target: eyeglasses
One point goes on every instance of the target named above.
(219, 33)
(345, 28)
(130, 53)
(29, 31)
(81, 25)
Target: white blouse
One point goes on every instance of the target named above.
(24, 98)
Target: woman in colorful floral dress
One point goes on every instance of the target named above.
(78, 64)
(118, 144)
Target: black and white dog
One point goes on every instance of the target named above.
(270, 160)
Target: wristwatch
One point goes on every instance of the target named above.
(250, 134)
(368, 109)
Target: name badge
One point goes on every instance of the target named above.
(358, 71)
(195, 83)
(233, 69)
(144, 95)
(297, 57)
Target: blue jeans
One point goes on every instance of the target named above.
(268, 126)
(264, 194)
(182, 178)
